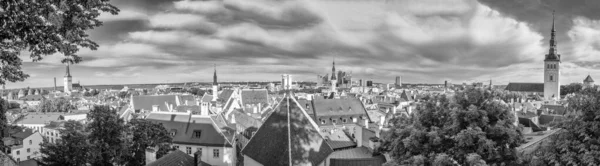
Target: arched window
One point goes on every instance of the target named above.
(551, 78)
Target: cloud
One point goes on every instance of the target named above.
(124, 14)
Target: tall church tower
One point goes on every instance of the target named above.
(552, 69)
(215, 85)
(333, 79)
(68, 84)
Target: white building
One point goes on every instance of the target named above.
(23, 144)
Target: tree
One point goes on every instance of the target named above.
(71, 150)
(578, 141)
(571, 88)
(44, 28)
(146, 134)
(473, 127)
(106, 134)
(122, 94)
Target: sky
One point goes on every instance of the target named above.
(424, 41)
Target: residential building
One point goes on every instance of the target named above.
(22, 143)
(191, 134)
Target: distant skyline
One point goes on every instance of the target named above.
(424, 41)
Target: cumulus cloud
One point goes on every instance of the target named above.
(422, 40)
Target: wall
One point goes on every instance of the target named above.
(34, 147)
(226, 154)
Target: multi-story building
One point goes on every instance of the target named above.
(23, 143)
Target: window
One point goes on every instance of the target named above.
(333, 121)
(551, 78)
(175, 147)
(322, 121)
(188, 150)
(18, 160)
(173, 132)
(30, 142)
(344, 120)
(28, 150)
(18, 152)
(28, 157)
(216, 153)
(197, 134)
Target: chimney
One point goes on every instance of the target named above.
(198, 158)
(154, 108)
(382, 120)
(367, 123)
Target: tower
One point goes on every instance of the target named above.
(68, 84)
(552, 69)
(588, 82)
(215, 85)
(333, 79)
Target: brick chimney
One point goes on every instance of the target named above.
(198, 158)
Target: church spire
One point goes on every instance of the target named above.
(333, 70)
(215, 75)
(552, 52)
(68, 73)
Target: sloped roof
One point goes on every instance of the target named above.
(288, 137)
(588, 79)
(206, 98)
(255, 96)
(184, 127)
(525, 87)
(547, 119)
(338, 107)
(32, 98)
(174, 158)
(23, 134)
(225, 95)
(38, 118)
(146, 102)
(245, 120)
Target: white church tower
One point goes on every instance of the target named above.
(215, 86)
(68, 84)
(552, 69)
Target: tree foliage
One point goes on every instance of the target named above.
(146, 134)
(571, 88)
(106, 140)
(578, 143)
(107, 135)
(473, 127)
(46, 27)
(55, 105)
(72, 149)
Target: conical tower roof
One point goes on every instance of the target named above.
(288, 137)
(588, 79)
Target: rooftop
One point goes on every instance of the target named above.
(525, 87)
(184, 127)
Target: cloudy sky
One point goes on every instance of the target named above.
(424, 41)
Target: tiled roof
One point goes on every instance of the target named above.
(338, 107)
(246, 120)
(525, 87)
(206, 98)
(39, 118)
(547, 119)
(184, 127)
(30, 162)
(23, 134)
(225, 95)
(32, 98)
(55, 124)
(174, 158)
(255, 96)
(354, 153)
(288, 137)
(146, 102)
(588, 79)
(184, 108)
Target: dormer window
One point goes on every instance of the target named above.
(322, 121)
(173, 132)
(197, 133)
(344, 120)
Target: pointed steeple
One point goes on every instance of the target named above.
(333, 71)
(215, 76)
(68, 73)
(552, 51)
